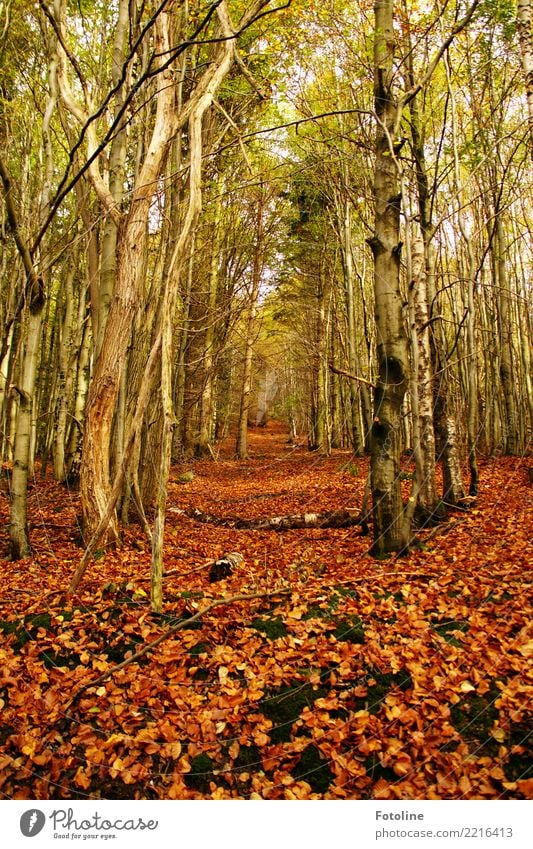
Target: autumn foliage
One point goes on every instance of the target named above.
(342, 678)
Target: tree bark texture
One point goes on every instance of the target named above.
(329, 519)
(392, 348)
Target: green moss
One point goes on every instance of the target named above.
(186, 477)
(272, 627)
(316, 612)
(284, 705)
(38, 620)
(201, 773)
(201, 675)
(446, 629)
(473, 718)
(25, 629)
(313, 768)
(379, 685)
(67, 614)
(350, 629)
(9, 627)
(117, 653)
(53, 659)
(519, 764)
(375, 771)
(248, 759)
(198, 648)
(340, 593)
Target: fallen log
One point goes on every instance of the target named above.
(344, 518)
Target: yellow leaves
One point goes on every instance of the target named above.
(465, 785)
(298, 612)
(405, 590)
(499, 735)
(467, 687)
(117, 767)
(260, 738)
(526, 649)
(393, 712)
(82, 778)
(402, 764)
(112, 740)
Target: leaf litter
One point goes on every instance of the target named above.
(335, 676)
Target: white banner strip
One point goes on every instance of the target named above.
(275, 825)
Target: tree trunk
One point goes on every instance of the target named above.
(524, 22)
(507, 373)
(18, 529)
(427, 501)
(330, 519)
(241, 448)
(392, 349)
(205, 436)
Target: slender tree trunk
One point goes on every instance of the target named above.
(524, 23)
(507, 372)
(392, 348)
(353, 389)
(241, 448)
(205, 437)
(65, 376)
(427, 502)
(18, 530)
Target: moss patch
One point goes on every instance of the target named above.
(201, 773)
(313, 768)
(448, 628)
(375, 771)
(284, 705)
(273, 627)
(53, 659)
(349, 629)
(473, 718)
(25, 629)
(519, 765)
(378, 686)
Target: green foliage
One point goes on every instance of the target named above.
(501, 12)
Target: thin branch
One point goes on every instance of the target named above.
(423, 81)
(340, 371)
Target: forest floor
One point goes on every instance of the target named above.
(349, 678)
